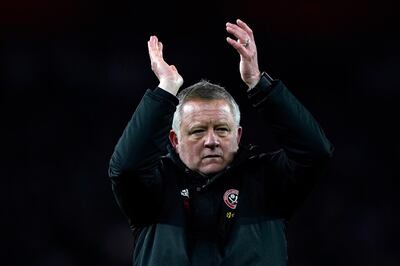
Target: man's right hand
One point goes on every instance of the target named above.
(170, 79)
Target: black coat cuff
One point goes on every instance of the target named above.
(260, 92)
(165, 95)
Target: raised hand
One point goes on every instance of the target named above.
(246, 47)
(170, 79)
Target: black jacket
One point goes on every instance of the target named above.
(180, 218)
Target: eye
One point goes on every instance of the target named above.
(222, 131)
(197, 131)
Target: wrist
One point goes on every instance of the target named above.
(267, 80)
(253, 81)
(170, 86)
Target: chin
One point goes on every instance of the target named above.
(212, 169)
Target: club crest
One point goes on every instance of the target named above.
(231, 197)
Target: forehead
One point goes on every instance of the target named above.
(203, 104)
(200, 108)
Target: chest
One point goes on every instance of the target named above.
(202, 209)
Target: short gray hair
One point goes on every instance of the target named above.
(208, 91)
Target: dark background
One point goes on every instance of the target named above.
(72, 73)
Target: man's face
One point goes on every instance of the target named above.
(208, 138)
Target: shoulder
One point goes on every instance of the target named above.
(254, 153)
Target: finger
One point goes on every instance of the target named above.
(156, 48)
(245, 27)
(155, 39)
(151, 48)
(154, 52)
(239, 47)
(160, 46)
(152, 43)
(155, 45)
(236, 31)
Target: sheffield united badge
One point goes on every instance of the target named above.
(231, 197)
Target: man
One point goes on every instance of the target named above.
(191, 195)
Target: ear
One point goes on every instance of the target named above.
(239, 134)
(173, 138)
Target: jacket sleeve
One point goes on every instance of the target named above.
(133, 167)
(305, 150)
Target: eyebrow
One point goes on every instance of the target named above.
(201, 124)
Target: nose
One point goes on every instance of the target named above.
(211, 140)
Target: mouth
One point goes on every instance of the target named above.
(212, 156)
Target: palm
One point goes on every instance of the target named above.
(166, 74)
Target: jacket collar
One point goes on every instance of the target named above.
(245, 152)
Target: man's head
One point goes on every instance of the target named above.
(205, 129)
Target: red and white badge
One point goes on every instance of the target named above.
(231, 197)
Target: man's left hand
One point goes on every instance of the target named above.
(246, 47)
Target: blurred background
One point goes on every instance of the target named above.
(72, 73)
